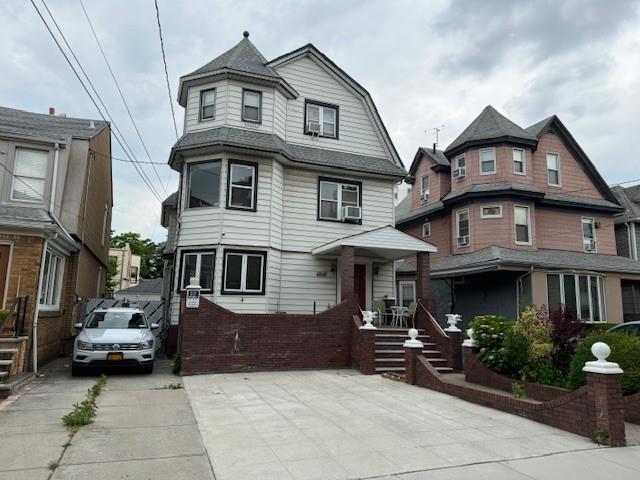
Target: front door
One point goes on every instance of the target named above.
(4, 270)
(360, 279)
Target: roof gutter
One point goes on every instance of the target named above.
(54, 180)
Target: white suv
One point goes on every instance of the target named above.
(114, 337)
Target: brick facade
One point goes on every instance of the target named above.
(363, 348)
(632, 408)
(213, 339)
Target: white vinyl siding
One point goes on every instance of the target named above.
(192, 122)
(357, 133)
(29, 175)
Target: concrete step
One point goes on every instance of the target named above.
(399, 331)
(5, 363)
(401, 352)
(390, 360)
(399, 344)
(399, 335)
(3, 375)
(389, 369)
(8, 351)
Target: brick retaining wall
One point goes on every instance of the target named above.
(632, 408)
(207, 339)
(363, 348)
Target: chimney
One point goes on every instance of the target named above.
(434, 148)
(52, 110)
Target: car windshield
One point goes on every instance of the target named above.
(117, 320)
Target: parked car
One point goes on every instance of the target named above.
(114, 337)
(629, 328)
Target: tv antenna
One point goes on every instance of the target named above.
(437, 130)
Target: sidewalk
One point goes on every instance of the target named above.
(141, 430)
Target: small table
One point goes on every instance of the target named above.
(399, 315)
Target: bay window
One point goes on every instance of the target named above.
(52, 277)
(487, 161)
(518, 161)
(244, 272)
(321, 119)
(584, 294)
(29, 174)
(208, 104)
(203, 184)
(334, 195)
(242, 190)
(522, 221)
(200, 265)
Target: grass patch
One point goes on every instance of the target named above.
(176, 366)
(84, 412)
(52, 466)
(173, 386)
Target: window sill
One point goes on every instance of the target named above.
(251, 123)
(242, 209)
(485, 174)
(359, 222)
(242, 294)
(554, 185)
(524, 244)
(215, 207)
(320, 136)
(520, 174)
(51, 312)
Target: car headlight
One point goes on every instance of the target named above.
(146, 345)
(84, 345)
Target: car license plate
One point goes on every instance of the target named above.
(114, 357)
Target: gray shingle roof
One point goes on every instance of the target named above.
(437, 157)
(171, 200)
(629, 198)
(560, 259)
(28, 215)
(151, 286)
(490, 124)
(405, 216)
(244, 57)
(568, 198)
(403, 209)
(492, 187)
(46, 127)
(271, 143)
(537, 128)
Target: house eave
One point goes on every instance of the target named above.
(522, 142)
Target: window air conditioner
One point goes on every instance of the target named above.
(464, 240)
(424, 196)
(460, 173)
(350, 214)
(590, 246)
(313, 128)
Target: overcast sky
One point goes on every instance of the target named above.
(426, 64)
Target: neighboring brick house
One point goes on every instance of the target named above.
(519, 216)
(55, 218)
(627, 225)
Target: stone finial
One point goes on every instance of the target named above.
(601, 351)
(470, 342)
(452, 321)
(368, 317)
(245, 34)
(413, 341)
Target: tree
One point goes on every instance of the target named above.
(151, 264)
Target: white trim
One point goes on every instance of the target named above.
(321, 122)
(557, 155)
(57, 284)
(424, 192)
(243, 272)
(338, 201)
(198, 254)
(457, 165)
(495, 161)
(423, 228)
(592, 221)
(15, 176)
(242, 187)
(458, 214)
(600, 281)
(484, 216)
(529, 226)
(524, 162)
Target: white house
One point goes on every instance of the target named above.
(282, 163)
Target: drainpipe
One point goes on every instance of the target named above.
(34, 332)
(634, 243)
(54, 179)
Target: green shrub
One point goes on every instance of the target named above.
(538, 332)
(625, 350)
(515, 354)
(490, 332)
(177, 364)
(596, 328)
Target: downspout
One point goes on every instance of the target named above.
(634, 243)
(34, 333)
(54, 182)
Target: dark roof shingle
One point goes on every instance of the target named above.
(629, 198)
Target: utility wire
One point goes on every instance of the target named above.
(126, 105)
(166, 73)
(64, 54)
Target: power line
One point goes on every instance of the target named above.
(64, 54)
(126, 105)
(166, 73)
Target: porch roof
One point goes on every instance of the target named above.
(384, 242)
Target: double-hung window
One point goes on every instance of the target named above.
(522, 221)
(584, 294)
(462, 227)
(589, 235)
(407, 290)
(553, 169)
(460, 170)
(242, 184)
(134, 275)
(487, 161)
(335, 195)
(208, 104)
(52, 273)
(244, 272)
(252, 106)
(203, 184)
(321, 119)
(424, 188)
(426, 229)
(518, 161)
(199, 265)
(29, 174)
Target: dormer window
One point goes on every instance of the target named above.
(30, 171)
(252, 106)
(424, 188)
(208, 104)
(321, 119)
(487, 161)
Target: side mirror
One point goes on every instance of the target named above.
(155, 326)
(77, 325)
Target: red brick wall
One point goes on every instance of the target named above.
(265, 341)
(363, 348)
(440, 235)
(439, 183)
(632, 408)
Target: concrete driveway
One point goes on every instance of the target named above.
(141, 430)
(342, 425)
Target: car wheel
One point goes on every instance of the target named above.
(147, 369)
(76, 371)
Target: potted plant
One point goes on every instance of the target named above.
(6, 323)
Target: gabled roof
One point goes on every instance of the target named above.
(490, 125)
(629, 198)
(47, 128)
(244, 61)
(270, 143)
(437, 157)
(149, 286)
(492, 258)
(554, 124)
(311, 51)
